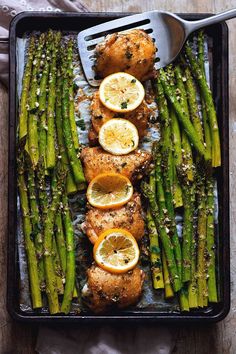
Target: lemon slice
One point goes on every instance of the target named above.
(121, 92)
(116, 250)
(118, 136)
(109, 190)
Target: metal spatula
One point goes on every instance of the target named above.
(167, 30)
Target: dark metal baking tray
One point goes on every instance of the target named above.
(26, 22)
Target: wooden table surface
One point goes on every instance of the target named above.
(215, 339)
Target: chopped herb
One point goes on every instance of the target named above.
(146, 139)
(123, 105)
(128, 54)
(156, 264)
(80, 123)
(155, 249)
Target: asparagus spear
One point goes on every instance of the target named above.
(23, 116)
(192, 287)
(200, 40)
(182, 94)
(183, 299)
(71, 96)
(43, 88)
(201, 261)
(57, 189)
(176, 145)
(167, 164)
(60, 239)
(168, 288)
(182, 115)
(70, 259)
(156, 266)
(51, 153)
(171, 216)
(37, 62)
(165, 129)
(51, 281)
(176, 136)
(187, 177)
(70, 184)
(187, 232)
(207, 95)
(35, 222)
(193, 105)
(207, 131)
(177, 157)
(166, 208)
(75, 162)
(57, 268)
(180, 90)
(164, 236)
(29, 244)
(212, 288)
(33, 105)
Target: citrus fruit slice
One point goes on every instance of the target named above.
(121, 92)
(116, 250)
(109, 190)
(118, 136)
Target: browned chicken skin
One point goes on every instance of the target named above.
(128, 217)
(132, 52)
(95, 161)
(101, 114)
(105, 290)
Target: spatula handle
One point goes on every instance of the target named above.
(223, 16)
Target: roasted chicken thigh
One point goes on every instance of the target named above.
(128, 217)
(105, 290)
(101, 114)
(131, 51)
(95, 161)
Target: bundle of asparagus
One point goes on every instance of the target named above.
(49, 169)
(184, 157)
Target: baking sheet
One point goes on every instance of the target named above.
(151, 299)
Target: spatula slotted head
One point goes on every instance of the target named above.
(151, 22)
